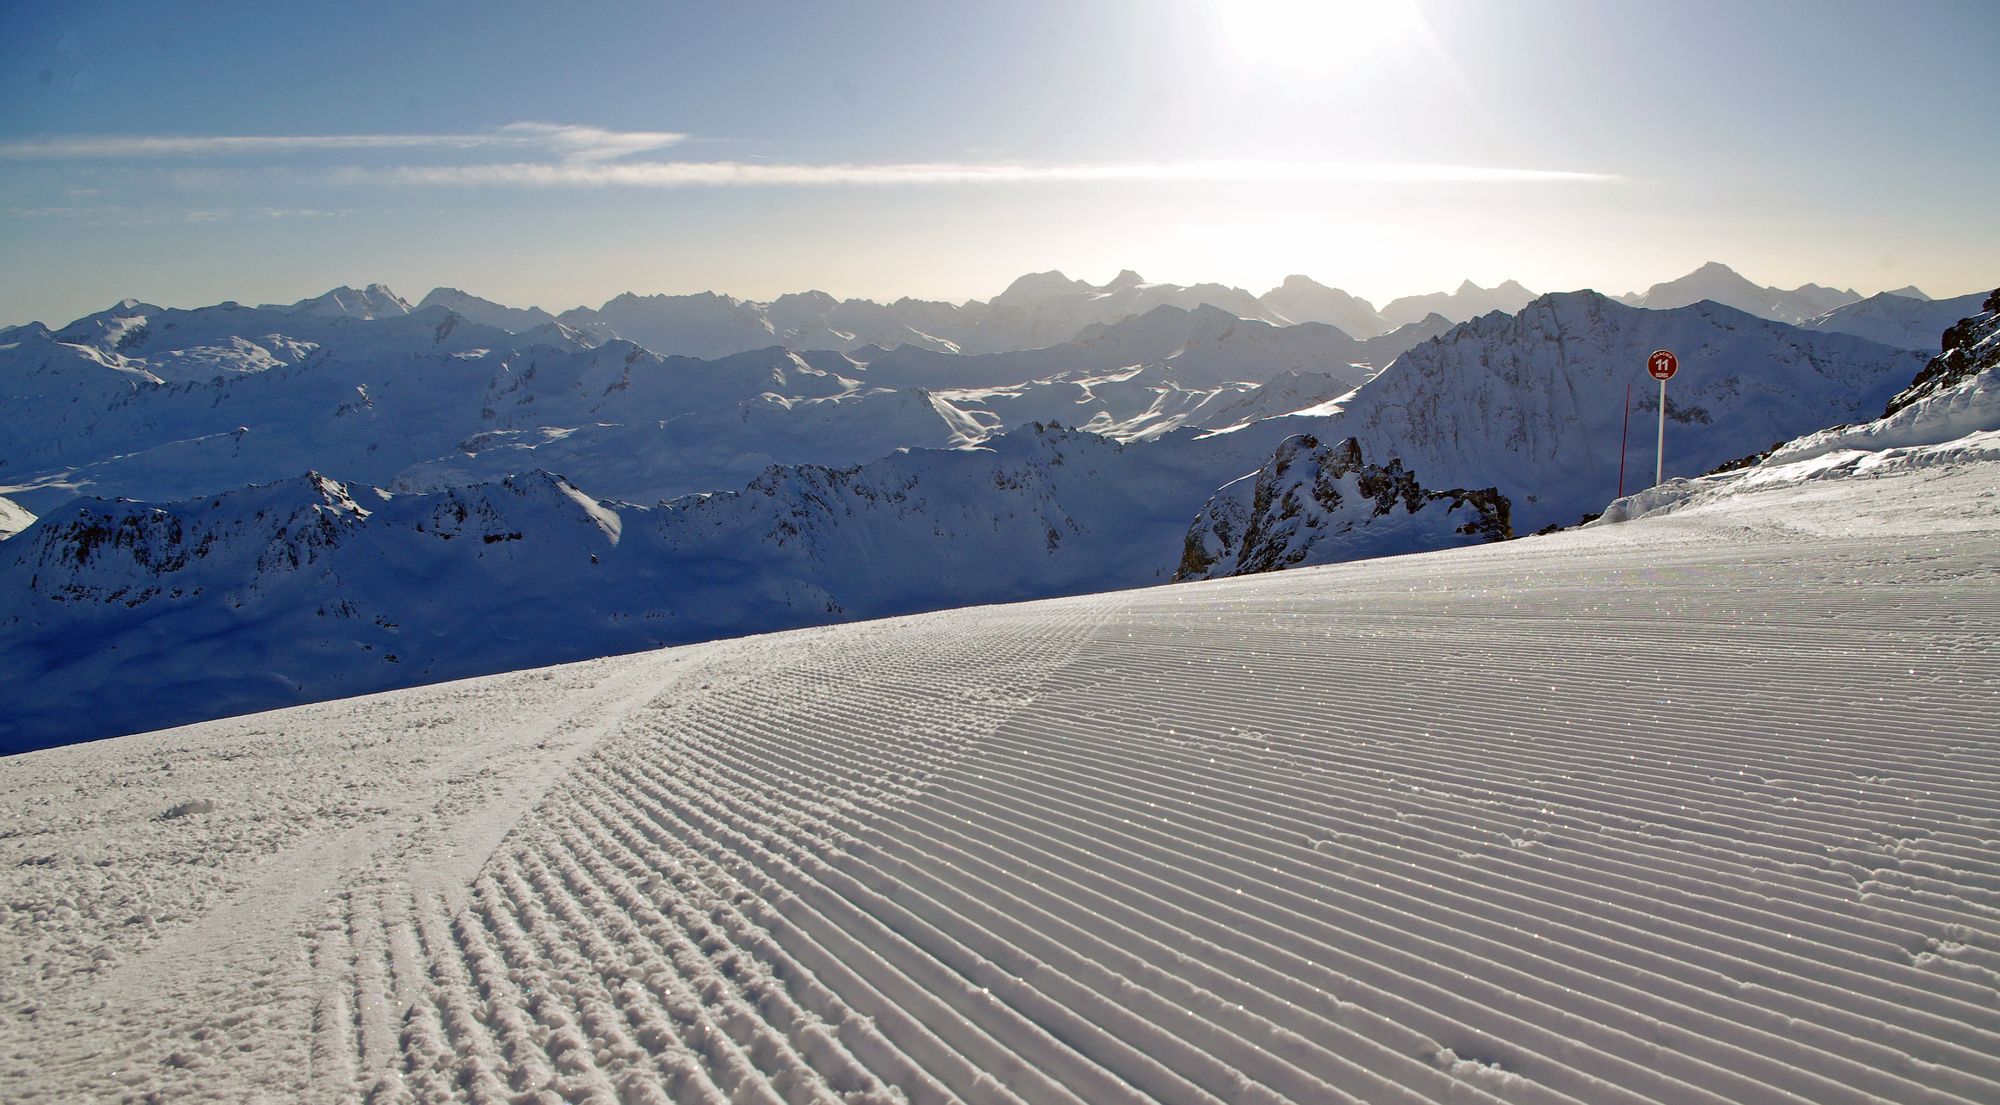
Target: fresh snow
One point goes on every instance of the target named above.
(1948, 416)
(1533, 404)
(786, 489)
(125, 615)
(373, 302)
(1697, 809)
(164, 405)
(1895, 319)
(1321, 502)
(13, 519)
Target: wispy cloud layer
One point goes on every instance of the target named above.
(680, 174)
(559, 155)
(570, 143)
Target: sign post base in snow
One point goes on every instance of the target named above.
(1661, 366)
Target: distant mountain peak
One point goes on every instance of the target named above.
(374, 301)
(1467, 302)
(1040, 285)
(1722, 284)
(1909, 291)
(1126, 278)
(485, 311)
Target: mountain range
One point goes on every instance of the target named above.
(166, 404)
(1904, 321)
(792, 488)
(1036, 310)
(1718, 283)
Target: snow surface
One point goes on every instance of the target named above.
(121, 616)
(1949, 416)
(163, 405)
(1906, 322)
(13, 519)
(1699, 809)
(1533, 403)
(209, 598)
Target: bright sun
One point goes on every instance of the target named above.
(1303, 33)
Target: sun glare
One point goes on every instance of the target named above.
(1292, 34)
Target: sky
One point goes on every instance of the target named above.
(186, 154)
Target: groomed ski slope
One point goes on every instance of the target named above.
(1698, 808)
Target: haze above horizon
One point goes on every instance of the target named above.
(192, 153)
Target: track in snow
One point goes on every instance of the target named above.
(1704, 809)
(1532, 829)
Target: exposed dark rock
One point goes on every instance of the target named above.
(1315, 503)
(1970, 347)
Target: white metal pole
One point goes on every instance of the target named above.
(1660, 445)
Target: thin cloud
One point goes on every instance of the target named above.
(579, 144)
(589, 143)
(689, 174)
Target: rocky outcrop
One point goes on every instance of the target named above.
(1970, 347)
(1316, 503)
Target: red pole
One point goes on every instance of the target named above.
(1624, 436)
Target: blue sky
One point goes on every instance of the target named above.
(188, 153)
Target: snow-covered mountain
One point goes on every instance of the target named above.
(13, 519)
(1948, 417)
(1968, 356)
(229, 339)
(1468, 302)
(1302, 299)
(1037, 310)
(362, 397)
(710, 448)
(704, 326)
(1042, 308)
(162, 405)
(816, 320)
(1697, 810)
(1718, 283)
(151, 613)
(1534, 403)
(441, 411)
(514, 320)
(1895, 319)
(1322, 503)
(373, 302)
(1204, 347)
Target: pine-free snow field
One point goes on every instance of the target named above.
(1699, 808)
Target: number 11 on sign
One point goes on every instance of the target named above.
(1661, 366)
